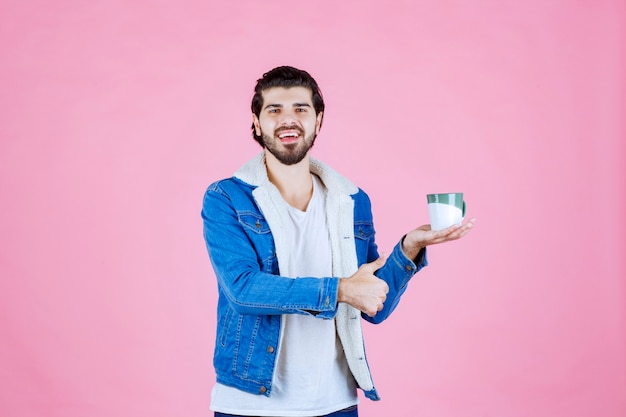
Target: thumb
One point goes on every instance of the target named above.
(377, 264)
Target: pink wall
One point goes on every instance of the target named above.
(115, 116)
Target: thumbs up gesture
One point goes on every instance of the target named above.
(363, 290)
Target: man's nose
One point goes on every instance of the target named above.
(287, 118)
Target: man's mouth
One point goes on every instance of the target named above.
(287, 136)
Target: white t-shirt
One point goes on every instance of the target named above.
(311, 376)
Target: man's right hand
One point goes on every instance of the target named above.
(364, 290)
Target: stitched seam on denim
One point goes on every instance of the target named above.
(237, 344)
(255, 331)
(228, 317)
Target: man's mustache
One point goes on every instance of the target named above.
(292, 127)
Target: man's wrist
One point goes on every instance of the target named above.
(411, 250)
(341, 290)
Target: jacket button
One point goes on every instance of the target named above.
(263, 390)
(408, 267)
(270, 349)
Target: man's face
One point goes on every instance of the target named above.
(287, 123)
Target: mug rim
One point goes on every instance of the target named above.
(451, 199)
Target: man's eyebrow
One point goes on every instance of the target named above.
(273, 106)
(280, 106)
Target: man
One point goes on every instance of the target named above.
(292, 245)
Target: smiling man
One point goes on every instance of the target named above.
(290, 124)
(292, 246)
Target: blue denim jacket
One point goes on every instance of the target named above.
(243, 234)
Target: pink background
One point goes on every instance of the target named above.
(115, 115)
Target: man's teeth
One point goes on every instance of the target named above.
(285, 135)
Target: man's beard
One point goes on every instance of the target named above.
(292, 153)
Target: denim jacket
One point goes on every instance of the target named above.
(246, 244)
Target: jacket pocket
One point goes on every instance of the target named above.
(363, 230)
(224, 326)
(253, 222)
(258, 230)
(363, 238)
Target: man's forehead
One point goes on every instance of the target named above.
(287, 94)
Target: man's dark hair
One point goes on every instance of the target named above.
(286, 77)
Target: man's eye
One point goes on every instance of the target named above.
(273, 110)
(301, 109)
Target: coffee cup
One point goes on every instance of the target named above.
(445, 210)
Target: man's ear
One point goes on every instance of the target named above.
(255, 123)
(318, 122)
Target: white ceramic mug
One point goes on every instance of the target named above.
(445, 210)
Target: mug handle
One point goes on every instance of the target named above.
(463, 215)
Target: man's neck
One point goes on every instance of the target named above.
(294, 182)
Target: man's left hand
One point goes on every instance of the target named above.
(423, 236)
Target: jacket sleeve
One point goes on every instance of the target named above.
(397, 271)
(250, 285)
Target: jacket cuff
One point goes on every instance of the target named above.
(329, 298)
(410, 266)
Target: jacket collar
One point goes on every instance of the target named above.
(254, 172)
